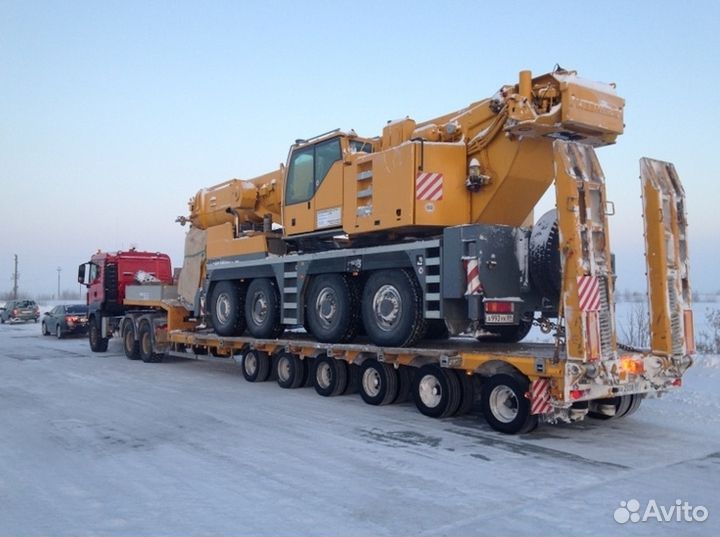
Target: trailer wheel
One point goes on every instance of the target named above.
(331, 376)
(392, 308)
(262, 309)
(146, 344)
(405, 383)
(227, 312)
(622, 403)
(353, 383)
(505, 406)
(378, 382)
(332, 308)
(97, 342)
(436, 391)
(467, 390)
(291, 371)
(131, 346)
(255, 366)
(635, 404)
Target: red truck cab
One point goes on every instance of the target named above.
(106, 276)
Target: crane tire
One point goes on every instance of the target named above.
(392, 308)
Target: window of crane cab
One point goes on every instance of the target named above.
(308, 167)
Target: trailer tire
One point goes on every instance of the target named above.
(131, 346)
(330, 376)
(353, 383)
(332, 308)
(622, 403)
(405, 383)
(378, 382)
(467, 392)
(227, 312)
(392, 308)
(635, 404)
(97, 342)
(255, 366)
(436, 391)
(145, 336)
(291, 370)
(262, 309)
(505, 407)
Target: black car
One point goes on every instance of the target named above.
(66, 319)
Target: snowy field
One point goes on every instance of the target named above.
(95, 444)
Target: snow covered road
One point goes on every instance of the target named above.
(97, 444)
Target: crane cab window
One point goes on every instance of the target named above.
(308, 167)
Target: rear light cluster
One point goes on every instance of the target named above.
(498, 306)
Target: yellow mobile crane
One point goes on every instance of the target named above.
(426, 233)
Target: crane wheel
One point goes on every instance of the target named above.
(262, 309)
(227, 313)
(436, 391)
(131, 346)
(256, 366)
(378, 382)
(505, 407)
(331, 376)
(392, 308)
(332, 308)
(291, 370)
(545, 268)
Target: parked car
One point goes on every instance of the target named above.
(65, 319)
(19, 310)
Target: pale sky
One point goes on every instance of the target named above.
(113, 114)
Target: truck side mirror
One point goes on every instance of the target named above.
(81, 274)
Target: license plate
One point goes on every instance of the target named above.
(499, 318)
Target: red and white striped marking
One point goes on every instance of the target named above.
(540, 396)
(429, 186)
(589, 293)
(472, 276)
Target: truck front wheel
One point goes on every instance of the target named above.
(262, 309)
(227, 312)
(97, 342)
